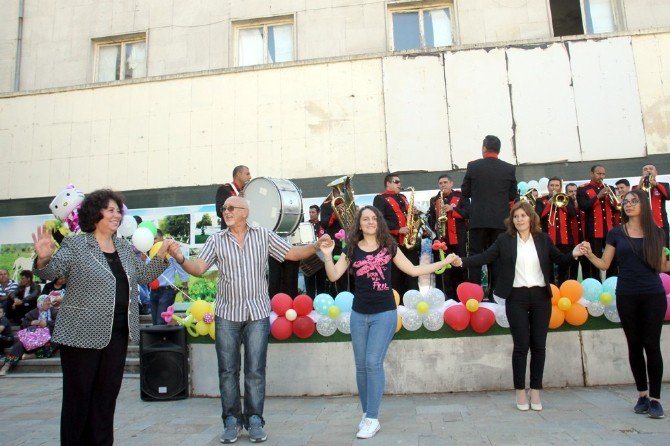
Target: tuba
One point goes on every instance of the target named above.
(442, 219)
(346, 199)
(558, 201)
(414, 223)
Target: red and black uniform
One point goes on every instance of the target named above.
(560, 232)
(318, 230)
(316, 283)
(224, 192)
(394, 209)
(599, 219)
(578, 231)
(658, 197)
(331, 225)
(455, 237)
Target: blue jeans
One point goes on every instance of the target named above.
(229, 336)
(161, 298)
(371, 335)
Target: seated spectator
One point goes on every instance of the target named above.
(24, 298)
(7, 287)
(6, 336)
(42, 316)
(57, 285)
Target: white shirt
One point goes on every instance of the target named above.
(527, 271)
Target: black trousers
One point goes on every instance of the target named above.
(449, 280)
(316, 283)
(528, 312)
(283, 277)
(565, 272)
(642, 321)
(400, 281)
(598, 246)
(480, 239)
(91, 383)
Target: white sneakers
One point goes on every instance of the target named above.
(360, 425)
(368, 428)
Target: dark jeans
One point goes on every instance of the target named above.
(161, 298)
(229, 337)
(480, 239)
(91, 383)
(642, 321)
(400, 281)
(449, 280)
(316, 283)
(598, 246)
(528, 312)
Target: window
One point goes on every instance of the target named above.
(573, 17)
(422, 25)
(121, 59)
(262, 42)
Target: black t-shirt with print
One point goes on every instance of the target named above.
(372, 272)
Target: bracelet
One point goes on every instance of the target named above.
(183, 259)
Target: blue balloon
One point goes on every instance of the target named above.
(592, 289)
(322, 302)
(523, 187)
(343, 301)
(609, 285)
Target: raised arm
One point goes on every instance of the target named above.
(333, 270)
(403, 263)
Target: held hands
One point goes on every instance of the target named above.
(326, 244)
(166, 247)
(43, 243)
(174, 250)
(583, 249)
(451, 259)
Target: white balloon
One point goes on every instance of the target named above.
(344, 323)
(544, 184)
(595, 309)
(127, 227)
(435, 298)
(291, 314)
(533, 184)
(434, 320)
(411, 298)
(612, 314)
(499, 300)
(411, 320)
(326, 326)
(143, 239)
(501, 317)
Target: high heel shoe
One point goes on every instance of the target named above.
(522, 406)
(535, 406)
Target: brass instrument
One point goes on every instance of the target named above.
(346, 198)
(645, 185)
(559, 200)
(442, 219)
(528, 197)
(614, 200)
(414, 223)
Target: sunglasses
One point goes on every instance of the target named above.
(231, 208)
(633, 202)
(395, 181)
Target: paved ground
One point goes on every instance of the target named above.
(579, 416)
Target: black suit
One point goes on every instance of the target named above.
(528, 309)
(490, 184)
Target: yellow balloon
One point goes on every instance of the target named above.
(399, 324)
(212, 330)
(199, 308)
(396, 296)
(333, 311)
(472, 305)
(564, 303)
(422, 307)
(201, 328)
(154, 250)
(213, 307)
(605, 298)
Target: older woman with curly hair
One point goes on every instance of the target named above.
(98, 314)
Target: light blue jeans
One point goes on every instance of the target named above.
(229, 336)
(371, 335)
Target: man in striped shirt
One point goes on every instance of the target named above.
(242, 310)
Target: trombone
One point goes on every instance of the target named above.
(558, 201)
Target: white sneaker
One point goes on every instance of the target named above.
(370, 427)
(360, 425)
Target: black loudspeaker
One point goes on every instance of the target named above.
(163, 363)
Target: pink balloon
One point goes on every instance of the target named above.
(457, 317)
(667, 312)
(280, 303)
(467, 290)
(281, 329)
(666, 282)
(482, 320)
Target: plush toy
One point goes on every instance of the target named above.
(65, 206)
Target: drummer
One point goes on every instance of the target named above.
(242, 310)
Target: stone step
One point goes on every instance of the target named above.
(52, 366)
(57, 375)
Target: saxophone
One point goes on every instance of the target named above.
(414, 223)
(442, 219)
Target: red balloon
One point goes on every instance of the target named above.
(303, 304)
(467, 290)
(281, 328)
(482, 320)
(303, 327)
(457, 317)
(280, 303)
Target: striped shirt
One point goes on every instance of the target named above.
(242, 292)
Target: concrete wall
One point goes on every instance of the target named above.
(8, 38)
(646, 14)
(574, 358)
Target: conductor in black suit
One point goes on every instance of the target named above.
(490, 184)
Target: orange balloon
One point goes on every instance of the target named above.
(576, 315)
(555, 294)
(396, 296)
(557, 317)
(572, 290)
(399, 324)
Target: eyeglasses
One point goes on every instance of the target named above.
(632, 202)
(395, 181)
(231, 208)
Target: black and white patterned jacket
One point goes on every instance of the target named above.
(87, 313)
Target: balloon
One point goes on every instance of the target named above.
(544, 184)
(212, 330)
(303, 327)
(467, 290)
(207, 318)
(343, 301)
(143, 239)
(472, 305)
(522, 187)
(303, 305)
(533, 184)
(457, 317)
(433, 320)
(665, 279)
(667, 312)
(322, 302)
(609, 285)
(557, 317)
(482, 320)
(422, 307)
(411, 298)
(564, 303)
(291, 314)
(591, 289)
(344, 323)
(127, 227)
(281, 302)
(596, 309)
(396, 296)
(411, 320)
(572, 290)
(333, 311)
(281, 329)
(202, 328)
(326, 326)
(150, 226)
(576, 315)
(612, 314)
(605, 298)
(398, 325)
(501, 318)
(435, 298)
(154, 250)
(555, 294)
(199, 308)
(499, 300)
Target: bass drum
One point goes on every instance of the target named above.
(274, 204)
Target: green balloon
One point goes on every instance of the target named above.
(150, 226)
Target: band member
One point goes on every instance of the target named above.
(447, 216)
(658, 196)
(393, 206)
(622, 188)
(330, 225)
(555, 211)
(490, 184)
(315, 283)
(241, 177)
(577, 228)
(314, 220)
(597, 200)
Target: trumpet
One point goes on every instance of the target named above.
(559, 200)
(614, 200)
(344, 204)
(646, 182)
